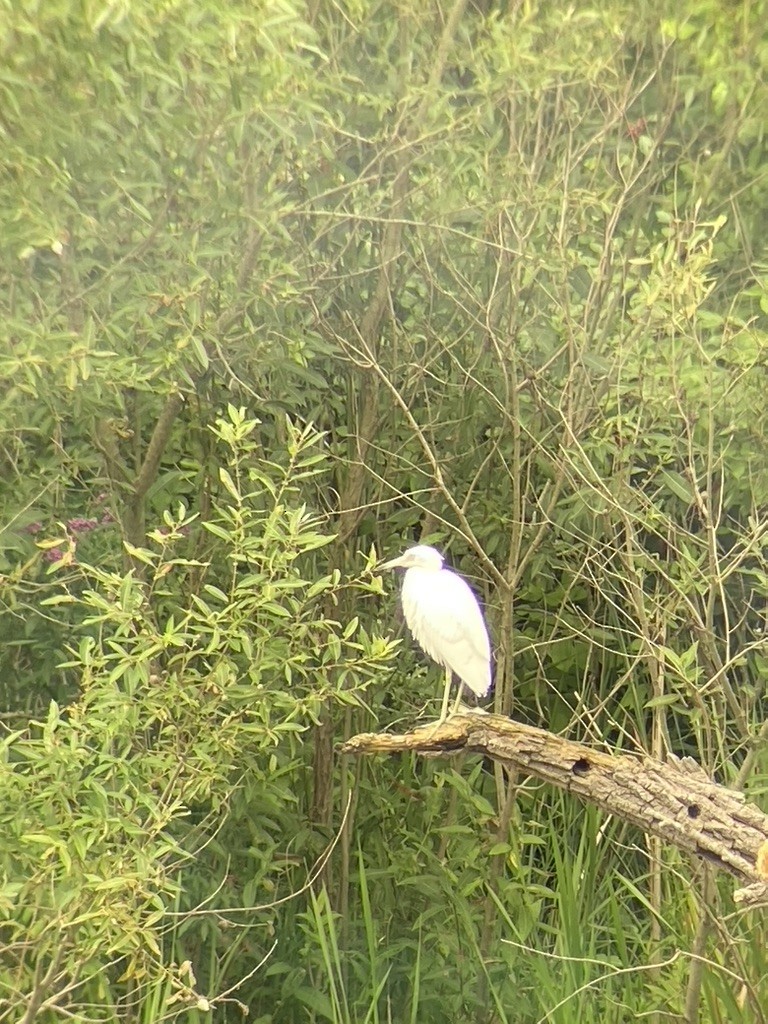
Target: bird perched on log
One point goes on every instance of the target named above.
(445, 620)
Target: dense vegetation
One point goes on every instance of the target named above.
(286, 287)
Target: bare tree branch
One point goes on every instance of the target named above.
(675, 801)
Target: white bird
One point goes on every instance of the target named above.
(445, 620)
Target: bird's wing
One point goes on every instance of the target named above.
(446, 622)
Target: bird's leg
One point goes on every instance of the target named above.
(446, 696)
(457, 702)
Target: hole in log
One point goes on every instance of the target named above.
(581, 767)
(693, 810)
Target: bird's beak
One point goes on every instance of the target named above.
(393, 563)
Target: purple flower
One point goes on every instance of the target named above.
(79, 525)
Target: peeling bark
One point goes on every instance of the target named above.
(675, 801)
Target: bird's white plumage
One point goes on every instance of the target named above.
(446, 622)
(444, 617)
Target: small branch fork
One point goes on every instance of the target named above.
(675, 801)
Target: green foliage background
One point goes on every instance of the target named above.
(286, 287)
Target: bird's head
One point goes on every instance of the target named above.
(421, 557)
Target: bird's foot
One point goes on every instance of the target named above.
(436, 725)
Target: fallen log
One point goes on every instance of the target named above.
(674, 800)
